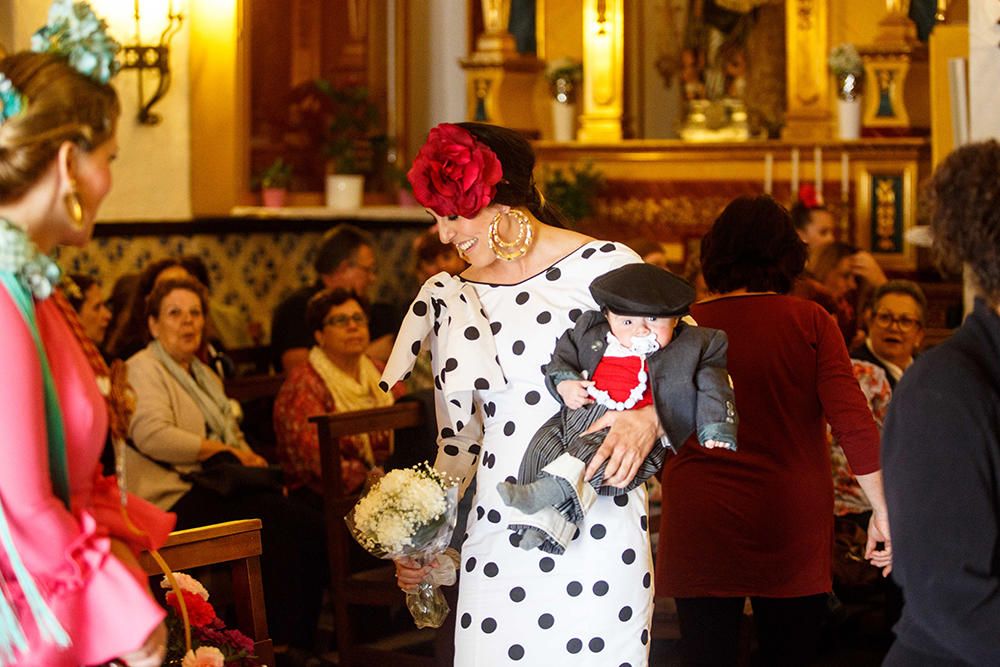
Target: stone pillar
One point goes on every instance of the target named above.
(984, 69)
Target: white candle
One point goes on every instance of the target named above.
(818, 171)
(768, 173)
(845, 177)
(795, 175)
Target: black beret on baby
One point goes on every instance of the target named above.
(643, 290)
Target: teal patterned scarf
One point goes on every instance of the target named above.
(26, 272)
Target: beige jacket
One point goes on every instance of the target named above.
(167, 425)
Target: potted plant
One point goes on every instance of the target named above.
(348, 143)
(574, 190)
(846, 64)
(274, 181)
(564, 76)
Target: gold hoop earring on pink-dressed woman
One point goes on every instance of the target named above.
(73, 207)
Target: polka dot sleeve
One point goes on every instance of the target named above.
(447, 318)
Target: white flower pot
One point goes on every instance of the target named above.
(344, 191)
(849, 118)
(563, 121)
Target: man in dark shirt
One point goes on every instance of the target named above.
(346, 259)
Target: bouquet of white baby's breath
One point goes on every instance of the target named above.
(410, 512)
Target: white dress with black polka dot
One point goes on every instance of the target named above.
(593, 604)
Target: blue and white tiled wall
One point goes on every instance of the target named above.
(252, 271)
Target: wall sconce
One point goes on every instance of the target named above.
(143, 57)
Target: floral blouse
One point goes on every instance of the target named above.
(848, 498)
(302, 396)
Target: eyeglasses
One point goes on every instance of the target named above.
(342, 321)
(886, 319)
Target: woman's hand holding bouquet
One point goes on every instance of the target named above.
(408, 516)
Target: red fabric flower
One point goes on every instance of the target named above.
(809, 197)
(454, 174)
(200, 611)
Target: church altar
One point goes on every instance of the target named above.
(672, 191)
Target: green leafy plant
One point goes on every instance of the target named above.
(353, 126)
(564, 68)
(564, 75)
(278, 174)
(574, 189)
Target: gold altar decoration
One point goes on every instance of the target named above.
(671, 190)
(497, 78)
(603, 71)
(808, 93)
(715, 120)
(895, 65)
(885, 209)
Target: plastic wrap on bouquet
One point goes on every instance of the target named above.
(411, 513)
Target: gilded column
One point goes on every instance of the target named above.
(498, 80)
(603, 70)
(808, 117)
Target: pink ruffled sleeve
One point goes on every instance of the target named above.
(154, 523)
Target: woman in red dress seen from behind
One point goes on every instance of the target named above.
(757, 523)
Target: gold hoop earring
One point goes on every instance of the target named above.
(73, 207)
(511, 250)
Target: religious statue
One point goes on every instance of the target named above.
(731, 77)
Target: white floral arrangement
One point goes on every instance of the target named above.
(186, 583)
(845, 60)
(402, 506)
(411, 512)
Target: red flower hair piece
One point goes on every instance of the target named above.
(809, 197)
(454, 174)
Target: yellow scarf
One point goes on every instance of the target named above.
(350, 394)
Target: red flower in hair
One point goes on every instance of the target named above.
(809, 197)
(454, 174)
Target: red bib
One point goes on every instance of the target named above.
(618, 376)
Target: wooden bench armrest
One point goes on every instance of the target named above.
(399, 415)
(205, 545)
(236, 544)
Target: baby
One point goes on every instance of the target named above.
(634, 352)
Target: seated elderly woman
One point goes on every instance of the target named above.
(895, 324)
(182, 418)
(338, 377)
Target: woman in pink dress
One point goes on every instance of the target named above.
(70, 579)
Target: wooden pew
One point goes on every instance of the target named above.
(371, 588)
(238, 544)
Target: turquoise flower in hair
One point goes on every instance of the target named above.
(74, 31)
(11, 101)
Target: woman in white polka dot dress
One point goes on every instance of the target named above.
(490, 331)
